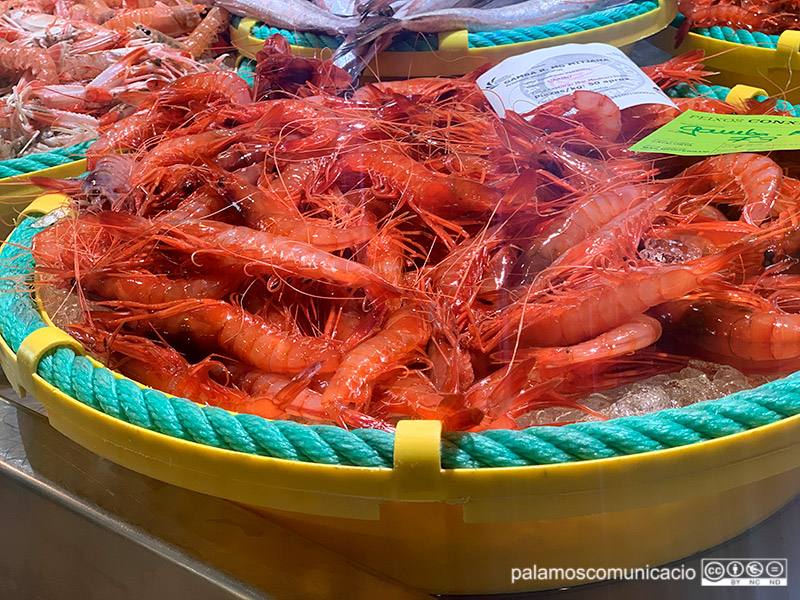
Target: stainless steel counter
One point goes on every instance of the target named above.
(76, 526)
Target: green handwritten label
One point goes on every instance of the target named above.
(695, 133)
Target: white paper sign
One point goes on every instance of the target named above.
(521, 83)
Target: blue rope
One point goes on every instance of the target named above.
(735, 36)
(719, 92)
(617, 14)
(418, 42)
(35, 162)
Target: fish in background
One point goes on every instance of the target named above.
(295, 15)
(368, 26)
(376, 31)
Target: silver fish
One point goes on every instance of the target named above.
(529, 13)
(295, 15)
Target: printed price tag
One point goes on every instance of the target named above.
(700, 134)
(521, 83)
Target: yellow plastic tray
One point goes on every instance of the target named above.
(455, 57)
(459, 531)
(775, 70)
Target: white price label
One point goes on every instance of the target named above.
(521, 83)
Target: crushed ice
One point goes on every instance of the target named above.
(697, 382)
(668, 252)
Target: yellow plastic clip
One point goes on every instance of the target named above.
(788, 46)
(35, 346)
(242, 40)
(740, 93)
(43, 205)
(454, 41)
(417, 459)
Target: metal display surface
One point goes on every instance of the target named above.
(79, 526)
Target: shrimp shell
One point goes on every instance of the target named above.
(397, 344)
(23, 59)
(170, 20)
(206, 31)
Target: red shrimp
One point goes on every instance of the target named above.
(579, 171)
(206, 32)
(440, 195)
(397, 344)
(640, 332)
(413, 395)
(171, 20)
(214, 324)
(456, 280)
(259, 250)
(159, 366)
(738, 17)
(451, 364)
(147, 288)
(216, 87)
(131, 133)
(34, 63)
(426, 90)
(203, 203)
(684, 68)
(749, 338)
(264, 211)
(290, 398)
(187, 149)
(605, 301)
(582, 219)
(611, 241)
(597, 112)
(759, 177)
(279, 73)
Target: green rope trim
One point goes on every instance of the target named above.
(178, 417)
(617, 14)
(719, 92)
(36, 162)
(247, 70)
(419, 42)
(735, 36)
(687, 90)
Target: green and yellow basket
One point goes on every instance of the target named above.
(459, 52)
(770, 62)
(445, 512)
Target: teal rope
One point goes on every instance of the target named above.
(418, 42)
(247, 70)
(35, 162)
(617, 14)
(793, 109)
(735, 36)
(178, 417)
(685, 90)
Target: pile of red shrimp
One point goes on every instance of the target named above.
(68, 69)
(405, 253)
(765, 16)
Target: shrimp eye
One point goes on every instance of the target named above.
(146, 31)
(769, 258)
